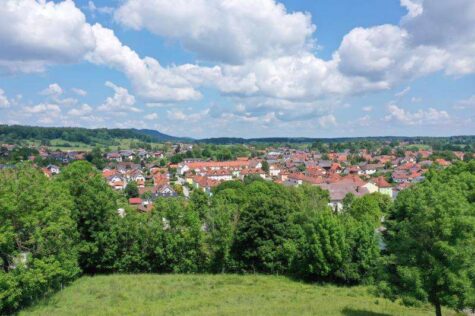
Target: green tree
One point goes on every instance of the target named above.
(180, 246)
(322, 247)
(37, 237)
(131, 190)
(265, 166)
(431, 242)
(264, 231)
(94, 206)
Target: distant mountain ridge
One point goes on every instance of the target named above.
(156, 135)
(100, 135)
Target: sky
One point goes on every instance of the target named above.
(241, 68)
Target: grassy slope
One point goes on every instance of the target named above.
(213, 295)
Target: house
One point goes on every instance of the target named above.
(165, 191)
(135, 201)
(370, 169)
(204, 183)
(127, 154)
(340, 189)
(117, 182)
(442, 162)
(274, 170)
(383, 186)
(136, 176)
(53, 169)
(114, 156)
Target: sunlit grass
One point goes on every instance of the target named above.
(147, 294)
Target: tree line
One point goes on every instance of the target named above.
(52, 231)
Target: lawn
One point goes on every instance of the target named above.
(149, 294)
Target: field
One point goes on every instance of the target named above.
(214, 295)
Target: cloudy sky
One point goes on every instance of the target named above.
(249, 68)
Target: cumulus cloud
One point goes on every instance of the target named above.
(151, 116)
(327, 121)
(91, 7)
(460, 105)
(420, 117)
(51, 109)
(121, 101)
(35, 34)
(414, 7)
(150, 80)
(180, 115)
(4, 102)
(258, 51)
(220, 30)
(367, 109)
(83, 110)
(449, 26)
(79, 92)
(53, 89)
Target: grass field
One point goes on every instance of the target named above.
(213, 295)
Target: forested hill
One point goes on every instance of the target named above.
(13, 133)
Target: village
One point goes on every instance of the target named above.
(154, 175)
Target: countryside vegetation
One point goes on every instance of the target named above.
(53, 231)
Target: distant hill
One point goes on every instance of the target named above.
(158, 136)
(106, 136)
(302, 140)
(12, 133)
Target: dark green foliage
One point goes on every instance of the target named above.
(94, 205)
(431, 241)
(180, 245)
(322, 248)
(131, 190)
(96, 157)
(265, 166)
(264, 229)
(37, 237)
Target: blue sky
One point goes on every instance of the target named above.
(248, 68)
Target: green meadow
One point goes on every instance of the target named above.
(150, 294)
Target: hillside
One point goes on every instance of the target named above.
(149, 294)
(103, 136)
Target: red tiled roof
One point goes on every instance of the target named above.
(135, 201)
(381, 182)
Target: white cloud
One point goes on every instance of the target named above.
(35, 34)
(367, 108)
(222, 30)
(449, 26)
(383, 56)
(463, 104)
(79, 92)
(414, 7)
(150, 80)
(121, 101)
(51, 109)
(83, 110)
(151, 116)
(264, 54)
(4, 102)
(416, 99)
(327, 121)
(403, 92)
(53, 89)
(91, 7)
(180, 115)
(420, 117)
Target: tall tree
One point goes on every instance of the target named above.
(37, 237)
(94, 205)
(431, 243)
